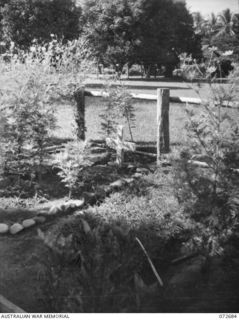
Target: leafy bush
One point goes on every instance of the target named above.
(208, 176)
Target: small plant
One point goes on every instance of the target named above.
(71, 162)
(119, 106)
(109, 117)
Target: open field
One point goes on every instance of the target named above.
(145, 129)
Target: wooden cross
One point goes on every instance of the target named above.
(120, 145)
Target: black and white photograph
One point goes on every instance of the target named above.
(119, 158)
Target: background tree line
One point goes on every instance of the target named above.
(221, 33)
(150, 33)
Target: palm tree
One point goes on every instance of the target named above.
(226, 22)
(211, 24)
(209, 28)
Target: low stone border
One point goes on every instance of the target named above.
(69, 206)
(41, 217)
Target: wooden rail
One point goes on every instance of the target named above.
(154, 97)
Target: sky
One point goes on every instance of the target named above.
(216, 6)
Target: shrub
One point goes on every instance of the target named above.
(119, 106)
(29, 119)
(70, 162)
(32, 82)
(208, 191)
(102, 263)
(110, 272)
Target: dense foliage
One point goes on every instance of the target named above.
(145, 32)
(31, 83)
(221, 34)
(207, 179)
(108, 268)
(22, 21)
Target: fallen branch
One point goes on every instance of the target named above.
(150, 262)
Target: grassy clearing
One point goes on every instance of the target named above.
(145, 129)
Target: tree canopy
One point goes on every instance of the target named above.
(147, 32)
(22, 21)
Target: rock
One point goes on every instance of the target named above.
(137, 175)
(16, 228)
(39, 219)
(74, 204)
(54, 210)
(131, 166)
(129, 180)
(142, 170)
(43, 211)
(78, 213)
(28, 223)
(79, 203)
(117, 184)
(107, 190)
(112, 164)
(3, 228)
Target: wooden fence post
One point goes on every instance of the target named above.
(119, 145)
(79, 96)
(162, 122)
